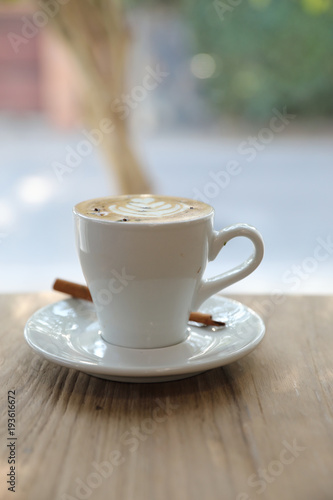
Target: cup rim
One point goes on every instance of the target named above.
(145, 223)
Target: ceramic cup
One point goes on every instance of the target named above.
(146, 277)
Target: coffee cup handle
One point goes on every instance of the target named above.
(213, 285)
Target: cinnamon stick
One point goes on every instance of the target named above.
(74, 289)
(82, 292)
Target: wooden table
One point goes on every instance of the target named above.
(261, 427)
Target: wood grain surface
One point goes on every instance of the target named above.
(260, 428)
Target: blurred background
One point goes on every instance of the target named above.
(230, 104)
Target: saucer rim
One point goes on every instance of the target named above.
(155, 371)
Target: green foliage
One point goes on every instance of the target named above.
(269, 53)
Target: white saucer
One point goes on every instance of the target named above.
(67, 332)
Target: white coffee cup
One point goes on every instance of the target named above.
(146, 276)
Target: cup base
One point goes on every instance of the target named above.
(152, 346)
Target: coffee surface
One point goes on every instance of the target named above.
(143, 208)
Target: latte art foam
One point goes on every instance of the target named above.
(143, 208)
(148, 207)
